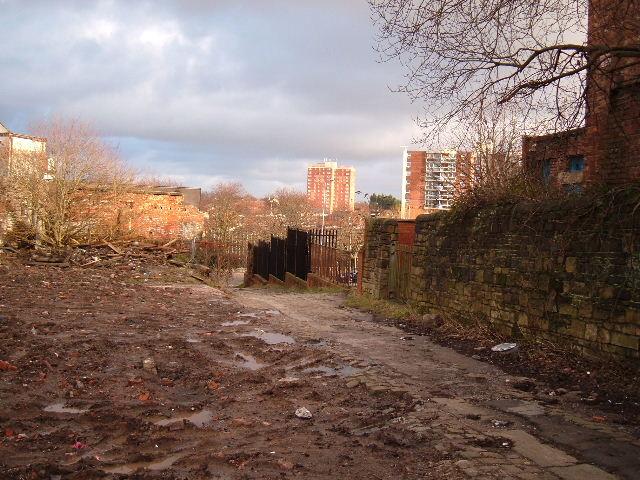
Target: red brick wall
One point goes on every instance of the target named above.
(406, 232)
(610, 141)
(556, 149)
(148, 215)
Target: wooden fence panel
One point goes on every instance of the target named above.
(400, 272)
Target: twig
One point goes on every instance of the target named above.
(168, 244)
(198, 277)
(90, 263)
(117, 250)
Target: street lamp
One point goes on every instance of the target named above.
(324, 201)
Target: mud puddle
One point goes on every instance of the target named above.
(343, 372)
(130, 468)
(61, 408)
(248, 361)
(235, 323)
(271, 338)
(199, 419)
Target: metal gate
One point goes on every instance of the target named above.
(298, 260)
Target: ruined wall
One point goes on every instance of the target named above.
(565, 272)
(145, 214)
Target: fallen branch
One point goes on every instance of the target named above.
(49, 264)
(198, 277)
(168, 244)
(112, 247)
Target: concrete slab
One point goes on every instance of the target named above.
(543, 455)
(582, 472)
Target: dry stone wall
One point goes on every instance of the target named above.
(381, 240)
(564, 272)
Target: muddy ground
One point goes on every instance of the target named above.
(140, 371)
(217, 399)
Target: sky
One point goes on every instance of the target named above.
(209, 91)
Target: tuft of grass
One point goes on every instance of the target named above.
(385, 308)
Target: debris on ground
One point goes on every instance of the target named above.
(505, 347)
(303, 413)
(139, 346)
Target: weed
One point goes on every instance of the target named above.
(386, 308)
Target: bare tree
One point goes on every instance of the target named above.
(290, 208)
(529, 53)
(58, 191)
(489, 152)
(226, 209)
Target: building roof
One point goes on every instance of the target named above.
(5, 132)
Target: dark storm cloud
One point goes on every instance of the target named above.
(205, 91)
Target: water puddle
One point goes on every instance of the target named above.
(60, 408)
(130, 468)
(199, 419)
(270, 337)
(249, 362)
(235, 323)
(343, 372)
(519, 407)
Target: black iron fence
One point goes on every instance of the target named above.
(303, 252)
(282, 255)
(326, 237)
(298, 259)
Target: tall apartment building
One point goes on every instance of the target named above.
(428, 181)
(330, 187)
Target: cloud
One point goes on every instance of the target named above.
(209, 91)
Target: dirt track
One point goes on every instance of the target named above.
(224, 376)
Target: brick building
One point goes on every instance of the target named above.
(330, 187)
(156, 213)
(160, 212)
(607, 149)
(14, 145)
(431, 180)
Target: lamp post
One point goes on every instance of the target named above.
(324, 201)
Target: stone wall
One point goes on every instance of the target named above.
(380, 242)
(564, 272)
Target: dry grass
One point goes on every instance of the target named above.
(385, 308)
